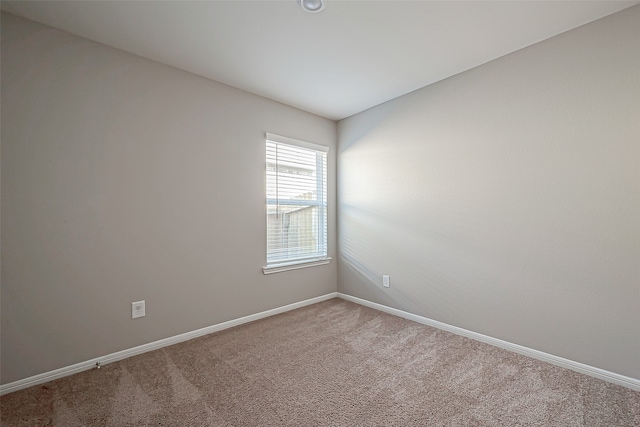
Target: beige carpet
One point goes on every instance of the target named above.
(329, 364)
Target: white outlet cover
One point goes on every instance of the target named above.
(137, 309)
(385, 281)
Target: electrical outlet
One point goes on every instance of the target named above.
(137, 309)
(385, 281)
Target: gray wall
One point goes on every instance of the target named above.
(122, 180)
(506, 200)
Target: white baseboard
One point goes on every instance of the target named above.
(113, 357)
(611, 377)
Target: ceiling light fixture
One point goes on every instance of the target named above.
(312, 6)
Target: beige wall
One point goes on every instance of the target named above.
(123, 180)
(506, 200)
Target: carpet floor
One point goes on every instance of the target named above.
(330, 364)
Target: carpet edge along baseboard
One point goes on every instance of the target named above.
(592, 371)
(155, 345)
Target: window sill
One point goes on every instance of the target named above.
(286, 266)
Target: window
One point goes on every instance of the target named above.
(296, 204)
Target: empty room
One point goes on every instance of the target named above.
(320, 213)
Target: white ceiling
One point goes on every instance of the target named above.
(345, 59)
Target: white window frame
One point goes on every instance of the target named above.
(293, 264)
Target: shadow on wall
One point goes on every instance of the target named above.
(449, 214)
(418, 263)
(393, 221)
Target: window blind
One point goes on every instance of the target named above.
(296, 200)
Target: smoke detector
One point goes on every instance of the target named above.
(312, 6)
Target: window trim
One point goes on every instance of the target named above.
(287, 265)
(296, 142)
(294, 265)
